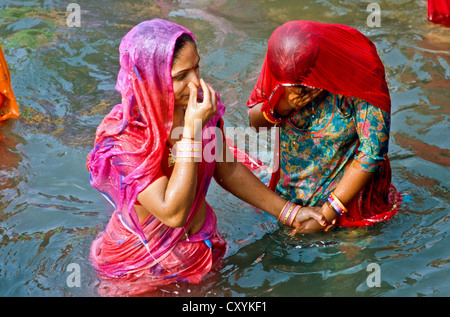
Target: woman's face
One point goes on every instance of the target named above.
(299, 96)
(185, 69)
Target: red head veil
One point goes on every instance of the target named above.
(332, 57)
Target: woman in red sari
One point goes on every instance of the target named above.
(152, 161)
(324, 86)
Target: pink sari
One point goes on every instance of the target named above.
(130, 257)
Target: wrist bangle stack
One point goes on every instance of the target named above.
(335, 204)
(187, 148)
(288, 213)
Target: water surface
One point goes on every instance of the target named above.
(64, 82)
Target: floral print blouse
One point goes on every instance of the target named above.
(324, 138)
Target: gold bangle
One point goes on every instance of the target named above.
(267, 118)
(282, 209)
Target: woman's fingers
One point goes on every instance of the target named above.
(209, 95)
(213, 97)
(319, 218)
(192, 94)
(307, 213)
(206, 92)
(296, 230)
(200, 110)
(306, 96)
(329, 227)
(302, 229)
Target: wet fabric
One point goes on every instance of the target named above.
(344, 63)
(439, 12)
(8, 104)
(129, 151)
(189, 261)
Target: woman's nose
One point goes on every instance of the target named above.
(195, 79)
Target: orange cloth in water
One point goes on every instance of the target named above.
(8, 104)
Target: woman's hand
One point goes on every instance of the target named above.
(311, 214)
(198, 114)
(295, 98)
(312, 225)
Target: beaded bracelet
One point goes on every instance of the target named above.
(336, 204)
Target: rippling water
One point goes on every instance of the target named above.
(64, 82)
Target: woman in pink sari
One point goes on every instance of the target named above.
(149, 160)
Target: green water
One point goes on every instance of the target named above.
(64, 82)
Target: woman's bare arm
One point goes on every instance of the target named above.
(257, 119)
(236, 178)
(171, 199)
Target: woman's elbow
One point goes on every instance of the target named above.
(174, 223)
(176, 220)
